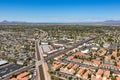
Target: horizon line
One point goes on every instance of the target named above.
(56, 21)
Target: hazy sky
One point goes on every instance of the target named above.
(59, 10)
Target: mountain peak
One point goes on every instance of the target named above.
(112, 21)
(5, 21)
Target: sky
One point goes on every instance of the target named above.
(59, 10)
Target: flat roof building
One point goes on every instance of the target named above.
(2, 62)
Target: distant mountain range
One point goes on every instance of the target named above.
(5, 22)
(108, 22)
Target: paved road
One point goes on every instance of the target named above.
(81, 65)
(18, 71)
(40, 64)
(8, 69)
(89, 66)
(37, 50)
(14, 68)
(42, 77)
(52, 56)
(40, 72)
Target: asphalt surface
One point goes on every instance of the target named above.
(42, 77)
(16, 71)
(52, 56)
(89, 66)
(40, 58)
(40, 67)
(81, 65)
(37, 49)
(8, 69)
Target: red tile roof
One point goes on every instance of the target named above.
(23, 75)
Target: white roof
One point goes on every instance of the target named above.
(3, 62)
(85, 51)
(94, 48)
(46, 48)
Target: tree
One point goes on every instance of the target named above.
(89, 76)
(76, 56)
(70, 78)
(115, 63)
(112, 57)
(118, 54)
(113, 78)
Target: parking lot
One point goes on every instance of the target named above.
(7, 69)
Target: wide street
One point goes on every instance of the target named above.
(8, 69)
(89, 66)
(17, 71)
(52, 56)
(42, 73)
(41, 67)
